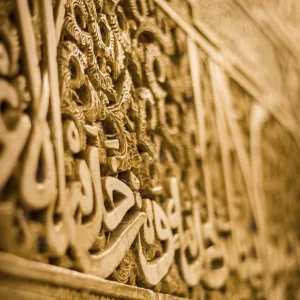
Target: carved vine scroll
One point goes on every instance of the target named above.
(123, 158)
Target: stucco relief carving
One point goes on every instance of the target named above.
(107, 168)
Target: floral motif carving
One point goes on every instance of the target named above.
(107, 168)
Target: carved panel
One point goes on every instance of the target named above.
(129, 158)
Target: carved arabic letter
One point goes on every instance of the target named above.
(148, 228)
(153, 272)
(38, 181)
(216, 272)
(191, 271)
(86, 191)
(121, 239)
(12, 140)
(112, 217)
(87, 231)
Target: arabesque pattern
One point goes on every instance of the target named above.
(122, 157)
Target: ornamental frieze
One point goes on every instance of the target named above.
(134, 156)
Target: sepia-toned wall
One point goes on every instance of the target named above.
(149, 149)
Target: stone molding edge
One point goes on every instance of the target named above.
(18, 269)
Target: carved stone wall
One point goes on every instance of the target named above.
(141, 157)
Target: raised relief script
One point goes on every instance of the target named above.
(120, 156)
